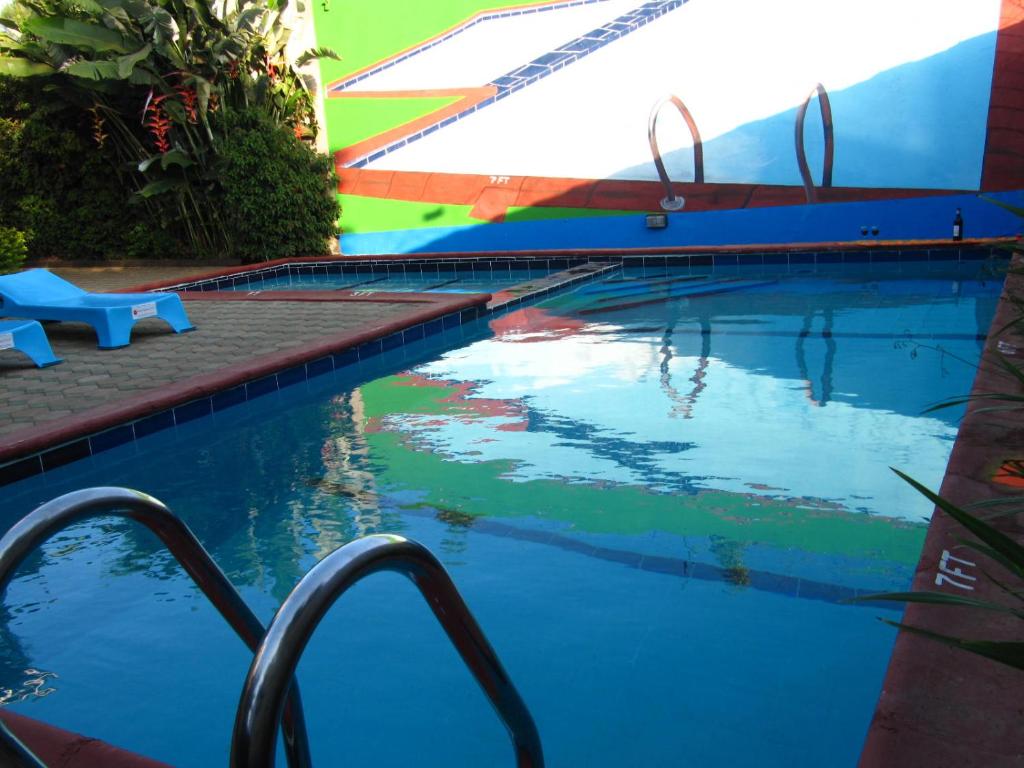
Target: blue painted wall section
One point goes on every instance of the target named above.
(921, 218)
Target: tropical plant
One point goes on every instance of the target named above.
(154, 78)
(262, 167)
(12, 249)
(993, 545)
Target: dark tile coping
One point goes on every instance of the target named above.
(683, 256)
(31, 451)
(939, 705)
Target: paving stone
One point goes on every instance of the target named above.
(229, 333)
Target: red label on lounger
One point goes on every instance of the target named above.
(144, 310)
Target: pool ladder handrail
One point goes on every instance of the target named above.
(260, 708)
(35, 528)
(671, 202)
(830, 145)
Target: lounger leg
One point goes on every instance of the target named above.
(33, 342)
(173, 313)
(113, 335)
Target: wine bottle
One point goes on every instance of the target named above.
(958, 226)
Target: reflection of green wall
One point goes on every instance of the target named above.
(480, 489)
(375, 214)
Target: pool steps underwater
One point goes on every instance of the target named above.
(270, 693)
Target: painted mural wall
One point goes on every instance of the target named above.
(458, 125)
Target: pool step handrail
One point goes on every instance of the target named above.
(672, 202)
(260, 708)
(13, 751)
(40, 524)
(830, 143)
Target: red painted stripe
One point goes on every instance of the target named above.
(492, 196)
(1003, 167)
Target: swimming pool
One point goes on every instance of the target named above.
(654, 492)
(462, 275)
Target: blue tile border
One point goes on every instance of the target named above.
(444, 266)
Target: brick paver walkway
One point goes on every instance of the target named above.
(230, 334)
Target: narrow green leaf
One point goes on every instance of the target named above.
(160, 186)
(175, 157)
(75, 33)
(89, 6)
(1009, 653)
(316, 53)
(125, 64)
(18, 67)
(936, 598)
(145, 164)
(1006, 206)
(993, 555)
(1003, 544)
(94, 70)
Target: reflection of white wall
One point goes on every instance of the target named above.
(492, 48)
(747, 428)
(735, 62)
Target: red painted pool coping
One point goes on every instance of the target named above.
(940, 706)
(33, 440)
(58, 748)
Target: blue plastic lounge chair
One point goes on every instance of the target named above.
(41, 295)
(29, 337)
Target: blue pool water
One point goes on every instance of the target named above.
(435, 278)
(654, 492)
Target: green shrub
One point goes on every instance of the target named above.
(278, 194)
(12, 249)
(62, 191)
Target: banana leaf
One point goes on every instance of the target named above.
(75, 33)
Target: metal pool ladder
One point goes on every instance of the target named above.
(271, 693)
(671, 202)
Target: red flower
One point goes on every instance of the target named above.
(158, 123)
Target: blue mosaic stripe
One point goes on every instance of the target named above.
(484, 265)
(457, 31)
(542, 66)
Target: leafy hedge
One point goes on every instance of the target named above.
(64, 193)
(278, 195)
(273, 195)
(12, 249)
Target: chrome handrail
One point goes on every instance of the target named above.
(32, 530)
(670, 202)
(14, 753)
(259, 710)
(830, 146)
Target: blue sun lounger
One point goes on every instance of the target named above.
(41, 295)
(29, 337)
